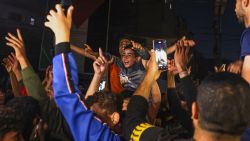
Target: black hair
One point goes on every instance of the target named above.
(10, 120)
(108, 101)
(223, 103)
(29, 109)
(105, 104)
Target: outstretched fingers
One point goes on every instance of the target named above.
(19, 35)
(49, 17)
(14, 46)
(70, 13)
(13, 43)
(11, 59)
(59, 9)
(14, 38)
(102, 57)
(13, 55)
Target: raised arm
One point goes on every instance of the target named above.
(30, 79)
(182, 56)
(86, 51)
(155, 103)
(8, 63)
(151, 76)
(185, 86)
(172, 48)
(135, 120)
(82, 123)
(100, 65)
(187, 42)
(16, 42)
(16, 67)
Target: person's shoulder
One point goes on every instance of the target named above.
(246, 135)
(245, 43)
(246, 32)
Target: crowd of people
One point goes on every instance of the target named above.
(124, 100)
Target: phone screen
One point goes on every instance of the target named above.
(102, 86)
(160, 46)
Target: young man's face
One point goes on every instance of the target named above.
(239, 11)
(128, 58)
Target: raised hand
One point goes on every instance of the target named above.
(59, 23)
(15, 63)
(172, 67)
(10, 63)
(89, 52)
(17, 44)
(7, 64)
(182, 57)
(185, 42)
(136, 46)
(100, 64)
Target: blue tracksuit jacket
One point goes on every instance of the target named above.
(83, 124)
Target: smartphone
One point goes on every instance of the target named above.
(160, 46)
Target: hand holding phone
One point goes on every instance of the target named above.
(160, 46)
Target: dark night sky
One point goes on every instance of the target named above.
(199, 15)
